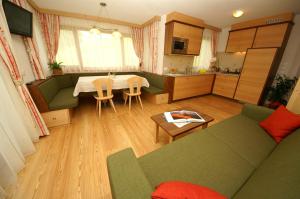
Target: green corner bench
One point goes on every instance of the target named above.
(54, 96)
(235, 157)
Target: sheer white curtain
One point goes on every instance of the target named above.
(17, 131)
(203, 60)
(80, 50)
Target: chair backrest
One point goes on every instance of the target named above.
(103, 83)
(135, 84)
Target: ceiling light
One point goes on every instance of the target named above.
(116, 34)
(95, 31)
(237, 13)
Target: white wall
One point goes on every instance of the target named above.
(290, 63)
(222, 39)
(21, 52)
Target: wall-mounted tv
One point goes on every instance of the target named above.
(19, 19)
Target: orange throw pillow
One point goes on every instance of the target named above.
(281, 123)
(184, 190)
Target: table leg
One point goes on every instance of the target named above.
(157, 133)
(204, 126)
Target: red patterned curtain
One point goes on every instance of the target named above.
(32, 50)
(138, 42)
(8, 59)
(50, 26)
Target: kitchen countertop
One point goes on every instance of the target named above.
(199, 74)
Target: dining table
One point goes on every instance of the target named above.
(85, 83)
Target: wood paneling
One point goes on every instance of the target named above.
(241, 40)
(270, 36)
(225, 85)
(70, 163)
(190, 86)
(192, 33)
(177, 16)
(285, 17)
(294, 102)
(257, 65)
(57, 118)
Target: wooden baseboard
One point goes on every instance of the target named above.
(57, 118)
(161, 98)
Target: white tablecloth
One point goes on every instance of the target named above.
(85, 84)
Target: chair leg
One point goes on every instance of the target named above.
(112, 104)
(97, 105)
(129, 103)
(140, 102)
(136, 98)
(99, 111)
(126, 97)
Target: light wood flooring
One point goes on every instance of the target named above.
(71, 162)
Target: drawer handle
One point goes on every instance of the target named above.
(54, 118)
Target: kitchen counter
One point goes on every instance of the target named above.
(199, 74)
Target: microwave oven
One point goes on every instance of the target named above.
(179, 45)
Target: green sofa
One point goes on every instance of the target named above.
(235, 157)
(56, 92)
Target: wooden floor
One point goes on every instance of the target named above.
(71, 162)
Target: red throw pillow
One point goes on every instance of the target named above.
(281, 123)
(184, 190)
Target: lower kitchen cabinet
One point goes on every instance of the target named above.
(225, 85)
(181, 87)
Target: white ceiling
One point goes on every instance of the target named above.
(213, 12)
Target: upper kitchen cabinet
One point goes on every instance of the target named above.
(270, 36)
(182, 38)
(240, 40)
(183, 34)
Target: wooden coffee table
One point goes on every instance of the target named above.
(172, 130)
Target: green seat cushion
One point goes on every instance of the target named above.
(64, 81)
(155, 80)
(64, 99)
(243, 135)
(49, 88)
(152, 90)
(199, 158)
(279, 175)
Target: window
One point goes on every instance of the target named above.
(203, 60)
(91, 52)
(67, 49)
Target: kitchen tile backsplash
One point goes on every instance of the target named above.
(231, 61)
(177, 61)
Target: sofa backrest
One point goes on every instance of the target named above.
(278, 176)
(49, 89)
(257, 113)
(155, 79)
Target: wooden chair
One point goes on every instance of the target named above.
(135, 84)
(103, 95)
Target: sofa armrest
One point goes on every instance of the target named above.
(257, 113)
(127, 179)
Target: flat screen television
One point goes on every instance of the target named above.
(19, 19)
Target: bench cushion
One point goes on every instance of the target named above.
(64, 99)
(152, 90)
(242, 134)
(64, 81)
(199, 158)
(155, 80)
(49, 88)
(278, 177)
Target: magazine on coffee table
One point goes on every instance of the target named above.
(183, 116)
